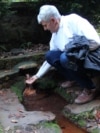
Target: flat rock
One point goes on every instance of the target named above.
(4, 73)
(76, 109)
(25, 65)
(12, 112)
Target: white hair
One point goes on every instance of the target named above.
(46, 12)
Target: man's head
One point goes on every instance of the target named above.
(49, 17)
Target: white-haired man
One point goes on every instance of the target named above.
(63, 29)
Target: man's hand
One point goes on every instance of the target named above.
(31, 80)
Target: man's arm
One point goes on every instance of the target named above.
(43, 70)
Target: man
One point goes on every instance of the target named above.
(63, 29)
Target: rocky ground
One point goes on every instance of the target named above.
(22, 51)
(14, 117)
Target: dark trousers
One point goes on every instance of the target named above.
(59, 60)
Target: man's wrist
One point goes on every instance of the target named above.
(36, 76)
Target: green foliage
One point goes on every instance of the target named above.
(3, 48)
(96, 130)
(80, 118)
(46, 83)
(50, 126)
(75, 6)
(1, 129)
(18, 89)
(26, 45)
(89, 9)
(62, 92)
(82, 123)
(5, 9)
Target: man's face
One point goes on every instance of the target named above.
(50, 25)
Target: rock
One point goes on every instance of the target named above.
(17, 51)
(76, 109)
(11, 108)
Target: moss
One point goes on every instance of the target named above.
(63, 93)
(46, 83)
(18, 88)
(96, 130)
(82, 123)
(49, 126)
(1, 129)
(52, 126)
(80, 119)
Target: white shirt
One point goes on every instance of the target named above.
(70, 26)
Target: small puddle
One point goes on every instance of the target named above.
(52, 102)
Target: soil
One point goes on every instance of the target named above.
(41, 101)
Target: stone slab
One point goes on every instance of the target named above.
(76, 109)
(12, 112)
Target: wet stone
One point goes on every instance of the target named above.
(29, 128)
(12, 109)
(16, 51)
(76, 109)
(44, 127)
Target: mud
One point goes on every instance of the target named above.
(43, 101)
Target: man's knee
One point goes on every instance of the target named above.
(53, 56)
(63, 59)
(48, 55)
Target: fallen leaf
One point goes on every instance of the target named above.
(14, 121)
(7, 128)
(18, 131)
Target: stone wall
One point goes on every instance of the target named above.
(21, 26)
